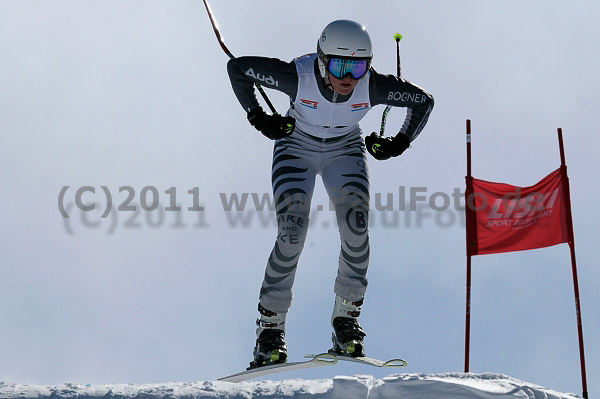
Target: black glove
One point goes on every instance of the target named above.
(272, 126)
(383, 148)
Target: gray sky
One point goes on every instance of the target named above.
(135, 93)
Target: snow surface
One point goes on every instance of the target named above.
(406, 386)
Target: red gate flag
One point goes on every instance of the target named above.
(505, 218)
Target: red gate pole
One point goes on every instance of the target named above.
(468, 215)
(567, 200)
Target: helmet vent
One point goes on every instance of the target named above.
(343, 48)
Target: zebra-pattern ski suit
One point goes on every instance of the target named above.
(343, 168)
(327, 142)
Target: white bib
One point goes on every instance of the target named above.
(319, 117)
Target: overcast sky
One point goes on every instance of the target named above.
(135, 93)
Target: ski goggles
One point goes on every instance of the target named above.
(340, 67)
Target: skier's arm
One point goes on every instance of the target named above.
(398, 92)
(272, 73)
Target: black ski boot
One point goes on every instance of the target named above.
(270, 342)
(348, 335)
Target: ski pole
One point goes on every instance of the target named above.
(397, 37)
(226, 50)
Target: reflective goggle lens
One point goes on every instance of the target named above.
(339, 67)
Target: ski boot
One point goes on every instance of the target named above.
(270, 339)
(347, 334)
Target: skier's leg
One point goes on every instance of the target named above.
(293, 178)
(346, 179)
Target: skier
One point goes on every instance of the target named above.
(330, 91)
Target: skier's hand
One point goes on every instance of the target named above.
(272, 126)
(383, 148)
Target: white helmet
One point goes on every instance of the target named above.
(343, 38)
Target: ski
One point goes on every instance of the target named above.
(320, 360)
(369, 361)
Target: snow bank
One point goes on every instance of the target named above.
(405, 386)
